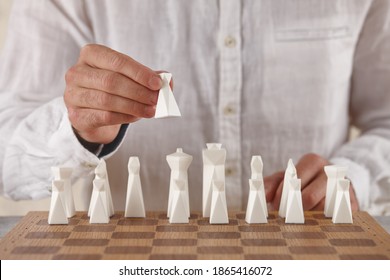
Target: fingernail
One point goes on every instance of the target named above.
(150, 111)
(155, 82)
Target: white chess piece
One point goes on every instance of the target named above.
(294, 212)
(179, 163)
(65, 173)
(334, 173)
(342, 213)
(166, 103)
(218, 211)
(101, 173)
(255, 209)
(99, 210)
(214, 158)
(57, 212)
(257, 173)
(290, 173)
(134, 198)
(179, 214)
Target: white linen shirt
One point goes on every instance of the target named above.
(273, 78)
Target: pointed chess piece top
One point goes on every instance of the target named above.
(166, 103)
(101, 169)
(133, 165)
(214, 146)
(291, 170)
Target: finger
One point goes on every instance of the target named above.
(99, 100)
(353, 198)
(271, 184)
(84, 119)
(313, 193)
(320, 206)
(308, 167)
(110, 82)
(171, 82)
(99, 56)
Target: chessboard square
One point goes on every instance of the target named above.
(133, 235)
(94, 228)
(254, 250)
(259, 228)
(173, 257)
(304, 235)
(219, 235)
(267, 257)
(312, 250)
(363, 257)
(83, 242)
(35, 250)
(175, 242)
(177, 228)
(47, 235)
(120, 228)
(174, 250)
(216, 249)
(341, 228)
(71, 222)
(261, 235)
(90, 235)
(128, 250)
(176, 235)
(219, 242)
(205, 222)
(77, 257)
(307, 242)
(130, 242)
(352, 242)
(41, 242)
(263, 242)
(137, 222)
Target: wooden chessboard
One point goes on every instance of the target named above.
(154, 238)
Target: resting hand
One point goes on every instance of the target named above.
(310, 169)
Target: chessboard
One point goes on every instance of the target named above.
(154, 237)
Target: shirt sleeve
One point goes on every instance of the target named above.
(368, 156)
(35, 132)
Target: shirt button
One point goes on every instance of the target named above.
(229, 171)
(228, 110)
(230, 42)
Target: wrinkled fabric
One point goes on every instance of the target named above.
(273, 78)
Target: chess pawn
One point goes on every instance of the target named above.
(99, 211)
(214, 158)
(57, 212)
(65, 173)
(134, 198)
(101, 173)
(166, 103)
(218, 211)
(334, 173)
(255, 209)
(290, 173)
(179, 211)
(257, 173)
(294, 212)
(179, 163)
(342, 213)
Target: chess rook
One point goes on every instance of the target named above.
(214, 158)
(134, 198)
(334, 173)
(64, 174)
(179, 163)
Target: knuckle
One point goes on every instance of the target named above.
(86, 49)
(316, 159)
(109, 81)
(103, 100)
(117, 61)
(73, 115)
(71, 74)
(106, 118)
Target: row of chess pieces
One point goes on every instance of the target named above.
(101, 208)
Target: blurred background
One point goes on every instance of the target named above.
(7, 206)
(19, 208)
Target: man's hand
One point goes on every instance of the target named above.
(106, 89)
(310, 169)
